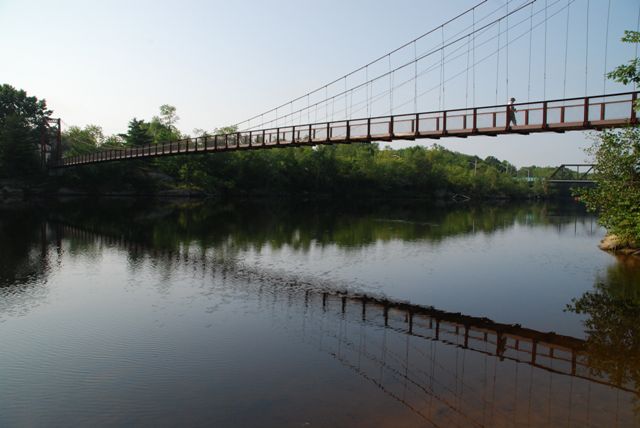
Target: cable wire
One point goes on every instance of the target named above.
(452, 42)
(606, 50)
(566, 52)
(586, 55)
(455, 18)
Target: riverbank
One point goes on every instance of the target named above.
(614, 244)
(12, 191)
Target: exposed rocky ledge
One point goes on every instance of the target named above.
(613, 244)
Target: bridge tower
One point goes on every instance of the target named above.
(50, 142)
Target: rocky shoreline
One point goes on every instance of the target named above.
(613, 244)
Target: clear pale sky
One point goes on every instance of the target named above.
(220, 62)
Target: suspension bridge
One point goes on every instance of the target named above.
(449, 68)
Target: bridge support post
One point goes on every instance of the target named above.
(444, 122)
(466, 336)
(534, 352)
(507, 121)
(475, 121)
(585, 119)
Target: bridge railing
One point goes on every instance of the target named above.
(593, 112)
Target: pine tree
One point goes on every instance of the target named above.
(138, 134)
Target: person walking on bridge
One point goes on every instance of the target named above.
(511, 109)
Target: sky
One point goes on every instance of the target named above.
(219, 62)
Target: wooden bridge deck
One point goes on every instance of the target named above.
(572, 114)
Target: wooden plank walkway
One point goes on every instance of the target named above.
(571, 114)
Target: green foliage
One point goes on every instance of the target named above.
(78, 141)
(163, 129)
(21, 122)
(342, 170)
(617, 154)
(613, 311)
(29, 109)
(630, 72)
(18, 151)
(617, 194)
(355, 169)
(138, 133)
(225, 130)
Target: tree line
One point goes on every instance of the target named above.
(351, 170)
(355, 169)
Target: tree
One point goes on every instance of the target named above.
(630, 72)
(162, 129)
(22, 120)
(18, 154)
(29, 109)
(168, 116)
(138, 133)
(77, 141)
(617, 155)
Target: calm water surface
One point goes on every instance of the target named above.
(269, 314)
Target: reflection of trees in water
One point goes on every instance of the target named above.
(301, 225)
(414, 354)
(237, 227)
(613, 323)
(24, 260)
(23, 247)
(201, 237)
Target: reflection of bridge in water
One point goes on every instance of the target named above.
(447, 368)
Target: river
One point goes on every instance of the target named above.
(277, 314)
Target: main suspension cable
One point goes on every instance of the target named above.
(455, 18)
(452, 42)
